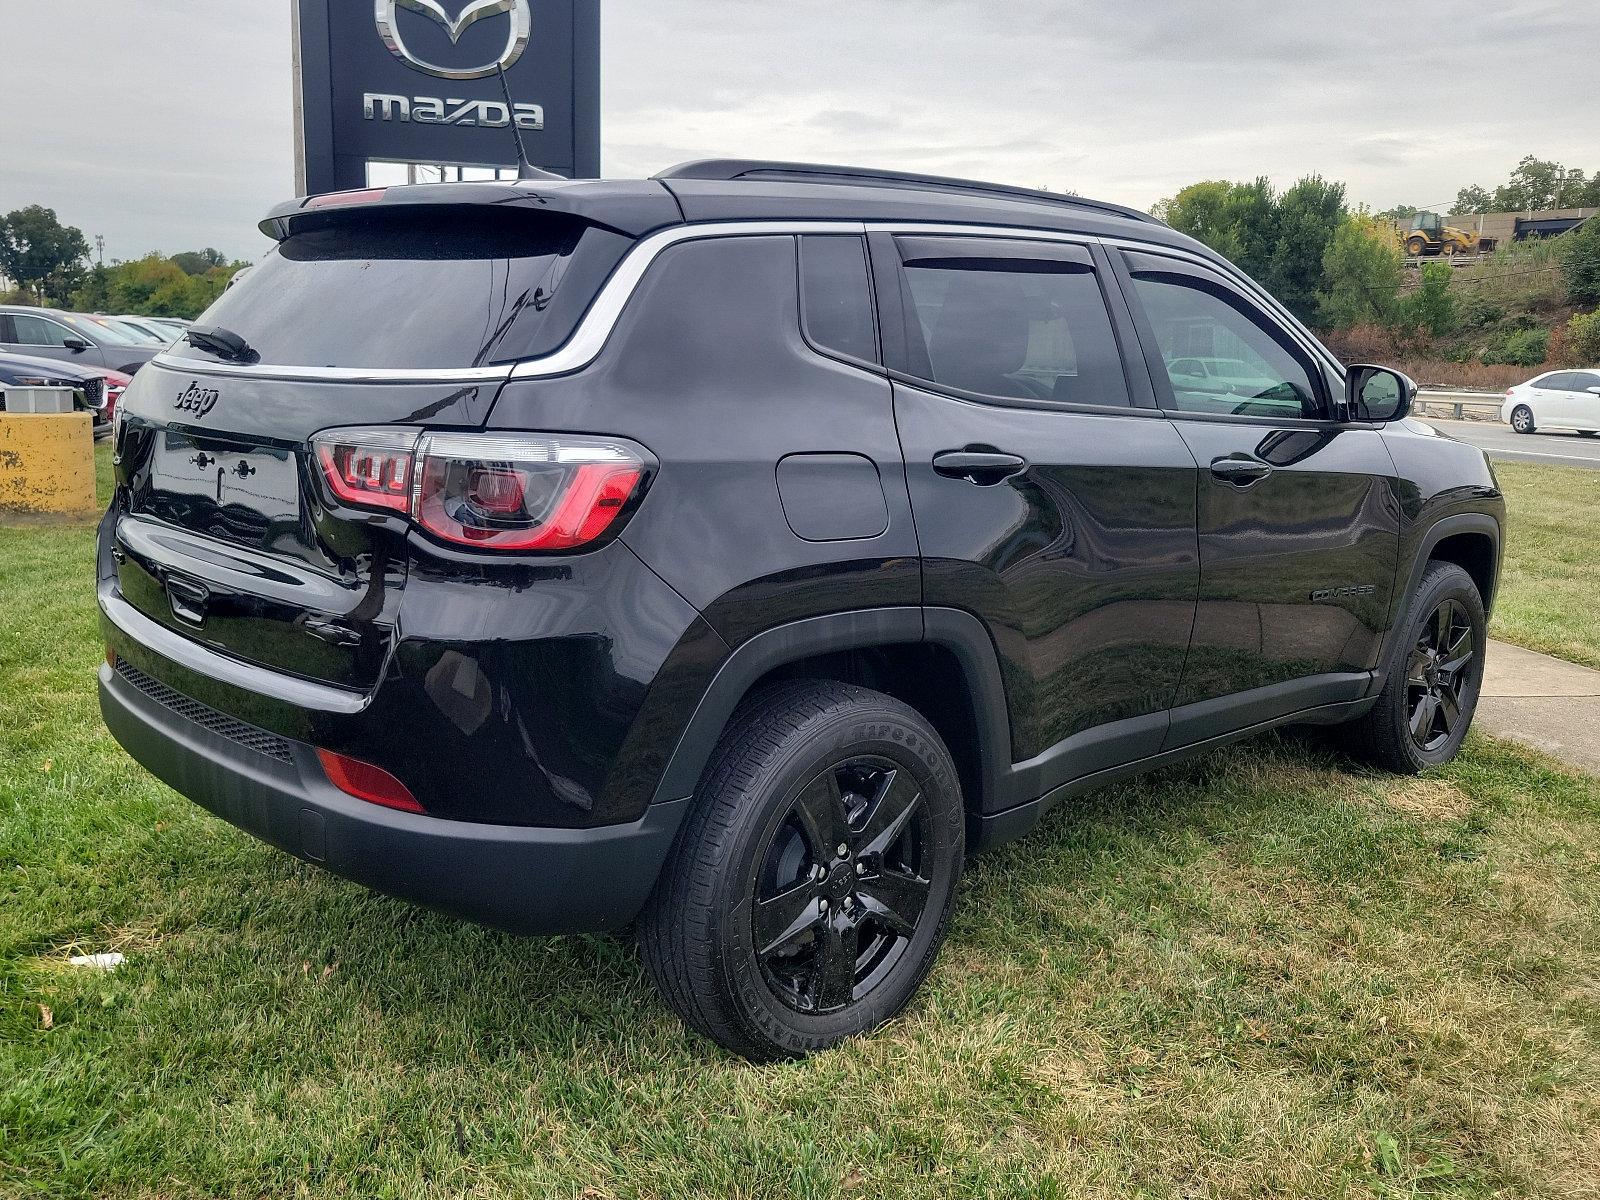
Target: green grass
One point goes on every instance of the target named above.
(1550, 579)
(1268, 972)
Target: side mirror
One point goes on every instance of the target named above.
(1595, 390)
(1377, 394)
(76, 345)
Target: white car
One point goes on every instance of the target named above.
(1555, 400)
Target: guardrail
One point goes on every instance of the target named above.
(1463, 405)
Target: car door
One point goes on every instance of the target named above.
(1298, 513)
(1052, 498)
(1547, 396)
(1552, 402)
(1585, 401)
(40, 336)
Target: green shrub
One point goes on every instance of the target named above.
(1580, 261)
(1479, 311)
(1523, 348)
(1583, 339)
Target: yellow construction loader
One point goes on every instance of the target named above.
(1429, 235)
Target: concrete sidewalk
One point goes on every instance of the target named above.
(1543, 702)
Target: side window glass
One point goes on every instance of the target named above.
(1248, 370)
(836, 296)
(1586, 380)
(1559, 382)
(1017, 328)
(36, 331)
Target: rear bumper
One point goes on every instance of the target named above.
(525, 879)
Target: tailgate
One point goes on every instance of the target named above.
(221, 532)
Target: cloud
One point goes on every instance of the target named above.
(174, 127)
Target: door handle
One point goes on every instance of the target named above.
(1241, 472)
(982, 467)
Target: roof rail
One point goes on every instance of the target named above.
(798, 172)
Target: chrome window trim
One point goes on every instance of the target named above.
(581, 349)
(594, 330)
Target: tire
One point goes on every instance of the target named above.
(1416, 247)
(803, 769)
(1429, 661)
(1522, 419)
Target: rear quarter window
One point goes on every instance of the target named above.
(836, 296)
(444, 288)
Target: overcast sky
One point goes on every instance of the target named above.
(166, 124)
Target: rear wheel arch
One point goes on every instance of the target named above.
(939, 662)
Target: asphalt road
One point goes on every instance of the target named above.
(1556, 449)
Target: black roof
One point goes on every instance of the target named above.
(749, 189)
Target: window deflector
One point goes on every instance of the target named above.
(1134, 264)
(953, 250)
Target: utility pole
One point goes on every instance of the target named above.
(100, 249)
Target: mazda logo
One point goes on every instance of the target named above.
(516, 39)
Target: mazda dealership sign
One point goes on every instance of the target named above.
(426, 81)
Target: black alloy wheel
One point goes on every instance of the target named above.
(839, 890)
(1437, 673)
(812, 882)
(1430, 688)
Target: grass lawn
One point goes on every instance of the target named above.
(1550, 597)
(1265, 973)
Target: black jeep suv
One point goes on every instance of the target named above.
(733, 552)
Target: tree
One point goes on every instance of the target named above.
(1431, 306)
(1533, 185)
(41, 253)
(1400, 214)
(1307, 216)
(135, 285)
(95, 294)
(1473, 199)
(1580, 261)
(1201, 211)
(1361, 272)
(1237, 220)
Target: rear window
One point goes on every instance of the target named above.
(446, 288)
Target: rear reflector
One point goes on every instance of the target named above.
(367, 782)
(519, 492)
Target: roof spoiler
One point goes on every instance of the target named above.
(629, 208)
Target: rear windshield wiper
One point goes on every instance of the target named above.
(224, 343)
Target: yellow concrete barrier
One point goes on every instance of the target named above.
(47, 467)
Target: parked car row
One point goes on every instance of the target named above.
(86, 339)
(99, 390)
(93, 353)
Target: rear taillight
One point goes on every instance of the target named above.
(367, 782)
(521, 492)
(368, 467)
